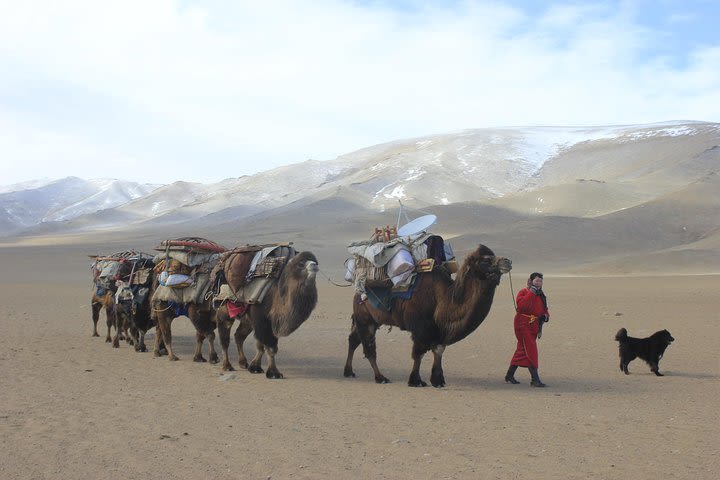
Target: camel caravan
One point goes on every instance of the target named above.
(403, 277)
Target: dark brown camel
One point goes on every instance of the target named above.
(133, 304)
(439, 313)
(289, 302)
(103, 294)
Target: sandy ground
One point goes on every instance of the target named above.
(73, 407)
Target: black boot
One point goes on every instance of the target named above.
(510, 375)
(535, 382)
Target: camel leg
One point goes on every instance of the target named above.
(120, 323)
(224, 325)
(437, 378)
(417, 355)
(204, 328)
(212, 354)
(272, 371)
(110, 318)
(159, 344)
(164, 332)
(199, 338)
(118, 328)
(96, 307)
(256, 362)
(140, 341)
(366, 332)
(353, 343)
(243, 330)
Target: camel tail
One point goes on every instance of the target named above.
(621, 335)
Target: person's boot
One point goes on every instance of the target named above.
(510, 375)
(535, 382)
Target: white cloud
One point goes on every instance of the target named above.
(221, 89)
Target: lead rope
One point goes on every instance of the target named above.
(329, 280)
(512, 291)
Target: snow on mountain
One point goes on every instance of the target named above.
(489, 164)
(64, 199)
(109, 193)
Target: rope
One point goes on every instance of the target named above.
(329, 280)
(512, 291)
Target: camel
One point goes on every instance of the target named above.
(104, 289)
(200, 314)
(439, 313)
(287, 304)
(133, 306)
(199, 310)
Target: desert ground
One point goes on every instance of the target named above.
(73, 407)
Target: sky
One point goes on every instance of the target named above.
(157, 91)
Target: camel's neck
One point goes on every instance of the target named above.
(291, 307)
(462, 314)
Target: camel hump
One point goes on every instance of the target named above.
(236, 268)
(621, 334)
(238, 262)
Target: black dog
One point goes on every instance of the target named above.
(650, 349)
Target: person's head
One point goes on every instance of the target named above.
(536, 279)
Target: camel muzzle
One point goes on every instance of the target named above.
(505, 265)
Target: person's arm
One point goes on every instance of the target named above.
(525, 301)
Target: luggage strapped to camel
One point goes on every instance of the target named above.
(392, 262)
(245, 274)
(183, 269)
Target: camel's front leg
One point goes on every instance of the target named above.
(353, 343)
(272, 371)
(164, 331)
(204, 324)
(120, 323)
(256, 362)
(243, 330)
(96, 307)
(224, 325)
(140, 341)
(110, 316)
(437, 378)
(417, 354)
(212, 353)
(367, 337)
(199, 338)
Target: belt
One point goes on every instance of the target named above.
(531, 317)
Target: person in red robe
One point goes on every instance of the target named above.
(531, 313)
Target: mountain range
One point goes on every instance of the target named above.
(578, 200)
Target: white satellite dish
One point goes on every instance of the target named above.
(418, 225)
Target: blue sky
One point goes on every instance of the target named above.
(166, 90)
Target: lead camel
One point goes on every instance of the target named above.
(441, 311)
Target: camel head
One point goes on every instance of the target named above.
(483, 263)
(300, 269)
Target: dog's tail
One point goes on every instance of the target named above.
(621, 335)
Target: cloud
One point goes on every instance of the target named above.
(220, 89)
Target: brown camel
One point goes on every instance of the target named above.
(201, 316)
(289, 302)
(196, 307)
(439, 313)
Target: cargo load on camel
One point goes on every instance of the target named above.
(391, 259)
(183, 269)
(243, 275)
